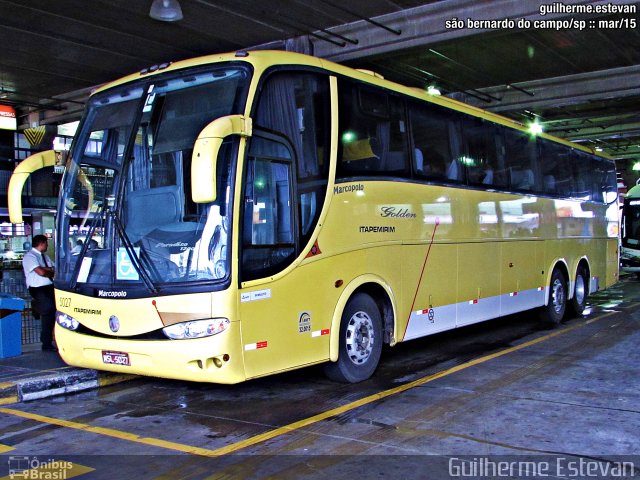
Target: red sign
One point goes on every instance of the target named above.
(8, 118)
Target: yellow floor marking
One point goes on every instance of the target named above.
(50, 469)
(109, 432)
(387, 393)
(8, 400)
(5, 448)
(105, 381)
(234, 447)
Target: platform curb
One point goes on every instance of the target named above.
(57, 382)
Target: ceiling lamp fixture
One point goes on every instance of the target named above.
(166, 10)
(433, 90)
(535, 128)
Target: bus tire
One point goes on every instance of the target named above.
(553, 313)
(360, 342)
(580, 292)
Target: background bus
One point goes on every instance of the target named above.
(263, 211)
(630, 234)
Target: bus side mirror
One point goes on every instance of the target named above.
(19, 178)
(205, 154)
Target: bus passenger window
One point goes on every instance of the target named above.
(605, 187)
(435, 136)
(557, 163)
(584, 171)
(373, 133)
(296, 105)
(521, 157)
(484, 153)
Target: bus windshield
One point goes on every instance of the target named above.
(126, 219)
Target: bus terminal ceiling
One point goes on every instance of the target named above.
(578, 74)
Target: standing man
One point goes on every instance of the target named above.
(38, 270)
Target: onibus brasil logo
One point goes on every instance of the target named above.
(34, 468)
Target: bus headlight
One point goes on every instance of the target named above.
(67, 321)
(196, 329)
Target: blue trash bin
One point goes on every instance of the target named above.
(10, 325)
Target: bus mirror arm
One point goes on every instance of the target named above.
(611, 197)
(19, 177)
(205, 154)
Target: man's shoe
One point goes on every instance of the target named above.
(49, 348)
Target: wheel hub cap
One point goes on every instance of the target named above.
(359, 338)
(557, 295)
(580, 290)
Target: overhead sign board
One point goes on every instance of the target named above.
(8, 118)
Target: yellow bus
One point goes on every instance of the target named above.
(239, 215)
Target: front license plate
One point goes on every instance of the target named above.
(115, 358)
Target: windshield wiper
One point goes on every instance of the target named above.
(135, 261)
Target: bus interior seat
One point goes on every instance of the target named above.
(151, 208)
(549, 183)
(581, 189)
(360, 155)
(522, 179)
(284, 232)
(419, 157)
(434, 166)
(395, 162)
(453, 172)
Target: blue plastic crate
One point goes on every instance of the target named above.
(10, 325)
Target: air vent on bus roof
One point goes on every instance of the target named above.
(155, 68)
(371, 72)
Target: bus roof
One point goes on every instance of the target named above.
(263, 59)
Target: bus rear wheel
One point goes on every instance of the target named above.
(553, 313)
(360, 341)
(580, 293)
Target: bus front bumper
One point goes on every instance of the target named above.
(629, 264)
(215, 359)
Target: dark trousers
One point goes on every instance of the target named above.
(46, 305)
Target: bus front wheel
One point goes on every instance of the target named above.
(553, 313)
(360, 340)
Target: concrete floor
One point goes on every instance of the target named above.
(503, 399)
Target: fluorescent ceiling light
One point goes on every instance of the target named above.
(166, 10)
